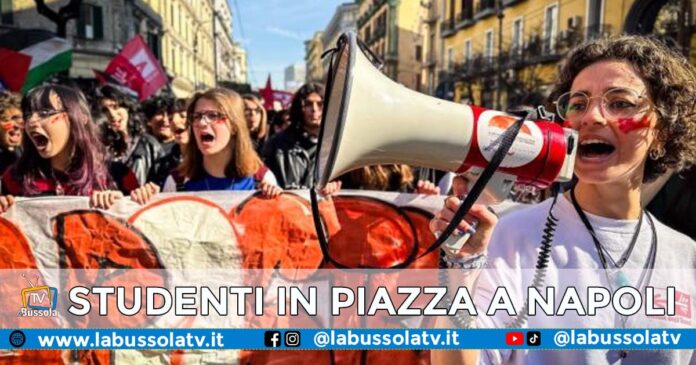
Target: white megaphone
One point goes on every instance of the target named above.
(369, 119)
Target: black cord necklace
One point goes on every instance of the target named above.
(620, 278)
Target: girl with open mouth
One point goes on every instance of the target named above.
(220, 156)
(62, 153)
(11, 126)
(630, 99)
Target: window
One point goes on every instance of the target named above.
(90, 24)
(550, 28)
(154, 42)
(467, 9)
(594, 18)
(488, 44)
(431, 46)
(468, 54)
(173, 60)
(450, 59)
(6, 16)
(368, 34)
(517, 34)
(419, 53)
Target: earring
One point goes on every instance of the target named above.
(656, 153)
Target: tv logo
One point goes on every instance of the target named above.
(514, 338)
(38, 301)
(272, 339)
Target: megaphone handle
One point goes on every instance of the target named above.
(508, 138)
(454, 243)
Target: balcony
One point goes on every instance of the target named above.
(432, 18)
(597, 31)
(379, 3)
(535, 50)
(371, 10)
(430, 61)
(484, 8)
(447, 28)
(378, 34)
(464, 20)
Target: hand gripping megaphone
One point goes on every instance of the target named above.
(369, 119)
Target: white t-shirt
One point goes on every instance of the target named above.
(512, 257)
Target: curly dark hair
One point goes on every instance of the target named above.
(9, 100)
(178, 105)
(136, 126)
(156, 105)
(671, 84)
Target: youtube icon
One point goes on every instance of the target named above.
(514, 338)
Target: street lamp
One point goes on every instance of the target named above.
(499, 12)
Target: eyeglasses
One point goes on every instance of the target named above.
(207, 117)
(252, 111)
(614, 104)
(42, 115)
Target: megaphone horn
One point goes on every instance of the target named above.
(369, 119)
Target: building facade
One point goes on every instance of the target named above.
(432, 49)
(188, 51)
(99, 32)
(505, 53)
(239, 64)
(313, 50)
(224, 44)
(294, 76)
(392, 30)
(343, 20)
(239, 61)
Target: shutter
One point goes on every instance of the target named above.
(81, 20)
(98, 23)
(7, 17)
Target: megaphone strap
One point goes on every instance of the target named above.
(508, 138)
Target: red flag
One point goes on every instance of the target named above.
(267, 94)
(137, 68)
(15, 67)
(284, 97)
(270, 96)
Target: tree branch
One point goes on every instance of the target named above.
(44, 10)
(71, 10)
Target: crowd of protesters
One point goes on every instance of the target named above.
(105, 144)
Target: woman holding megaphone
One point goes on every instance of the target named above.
(631, 100)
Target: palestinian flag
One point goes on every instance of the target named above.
(49, 54)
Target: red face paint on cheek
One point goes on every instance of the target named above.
(7, 126)
(629, 124)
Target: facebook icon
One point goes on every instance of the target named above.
(272, 339)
